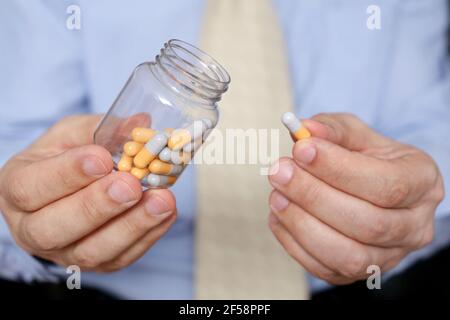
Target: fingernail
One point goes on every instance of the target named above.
(93, 166)
(278, 202)
(156, 205)
(281, 172)
(305, 152)
(121, 192)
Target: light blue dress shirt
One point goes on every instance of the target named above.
(396, 79)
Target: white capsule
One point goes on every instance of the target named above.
(157, 143)
(176, 157)
(155, 180)
(291, 122)
(165, 155)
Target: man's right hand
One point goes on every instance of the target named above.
(63, 203)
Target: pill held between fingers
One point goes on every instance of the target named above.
(131, 148)
(294, 126)
(125, 163)
(150, 151)
(160, 167)
(155, 180)
(139, 173)
(142, 135)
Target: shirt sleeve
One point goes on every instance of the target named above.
(415, 100)
(396, 78)
(41, 81)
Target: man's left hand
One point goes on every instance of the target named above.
(350, 198)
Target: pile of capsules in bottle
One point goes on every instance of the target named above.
(159, 157)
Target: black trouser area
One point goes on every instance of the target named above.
(427, 279)
(48, 291)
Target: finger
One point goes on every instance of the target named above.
(311, 265)
(341, 254)
(351, 216)
(68, 220)
(345, 130)
(37, 184)
(122, 232)
(389, 184)
(72, 131)
(138, 249)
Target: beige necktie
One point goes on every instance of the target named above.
(237, 257)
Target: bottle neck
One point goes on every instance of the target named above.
(191, 73)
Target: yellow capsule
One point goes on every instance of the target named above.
(131, 148)
(163, 168)
(302, 133)
(125, 163)
(143, 158)
(150, 151)
(142, 135)
(179, 138)
(139, 173)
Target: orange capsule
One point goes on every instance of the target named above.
(125, 163)
(150, 151)
(139, 173)
(179, 138)
(131, 148)
(142, 135)
(160, 167)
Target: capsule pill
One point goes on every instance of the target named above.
(142, 135)
(150, 151)
(131, 148)
(294, 126)
(163, 168)
(139, 173)
(180, 137)
(125, 163)
(155, 180)
(165, 155)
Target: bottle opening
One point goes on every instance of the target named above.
(192, 72)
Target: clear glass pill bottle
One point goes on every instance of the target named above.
(163, 114)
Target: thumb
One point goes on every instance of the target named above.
(346, 130)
